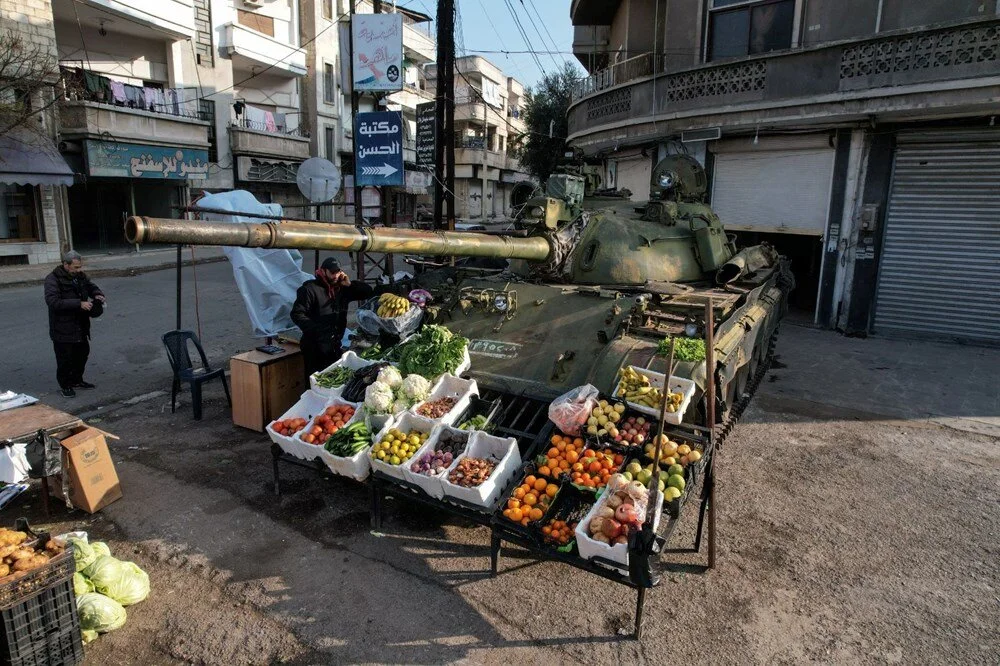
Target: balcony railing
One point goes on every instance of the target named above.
(279, 128)
(84, 85)
(637, 67)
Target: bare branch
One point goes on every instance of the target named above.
(28, 74)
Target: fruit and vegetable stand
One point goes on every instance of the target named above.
(576, 480)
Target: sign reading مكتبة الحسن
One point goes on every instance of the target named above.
(377, 63)
(115, 159)
(378, 152)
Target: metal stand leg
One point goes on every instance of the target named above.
(640, 601)
(376, 504)
(495, 545)
(708, 482)
(713, 509)
(275, 454)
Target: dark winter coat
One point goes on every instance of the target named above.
(322, 319)
(68, 322)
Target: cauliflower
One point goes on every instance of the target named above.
(401, 405)
(415, 388)
(379, 398)
(390, 375)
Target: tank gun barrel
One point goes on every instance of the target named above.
(336, 237)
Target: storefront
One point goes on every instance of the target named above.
(126, 179)
(32, 181)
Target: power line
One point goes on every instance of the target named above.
(539, 33)
(524, 35)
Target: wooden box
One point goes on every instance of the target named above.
(265, 385)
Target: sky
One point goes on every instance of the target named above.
(487, 25)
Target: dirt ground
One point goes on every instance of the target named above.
(842, 539)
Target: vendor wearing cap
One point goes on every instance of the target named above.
(320, 310)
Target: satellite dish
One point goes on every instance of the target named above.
(318, 180)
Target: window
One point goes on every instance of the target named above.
(259, 22)
(206, 111)
(736, 30)
(18, 213)
(329, 83)
(329, 135)
(327, 9)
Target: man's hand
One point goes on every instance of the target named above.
(101, 298)
(342, 279)
(86, 305)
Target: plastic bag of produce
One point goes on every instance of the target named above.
(401, 326)
(82, 584)
(570, 410)
(99, 613)
(83, 553)
(124, 582)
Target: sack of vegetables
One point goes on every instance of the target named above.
(398, 317)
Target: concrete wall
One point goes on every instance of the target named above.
(682, 37)
(92, 119)
(122, 57)
(898, 14)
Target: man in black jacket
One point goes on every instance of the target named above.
(320, 310)
(72, 299)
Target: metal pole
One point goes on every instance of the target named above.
(439, 127)
(355, 98)
(180, 264)
(446, 75)
(486, 137)
(316, 255)
(710, 418)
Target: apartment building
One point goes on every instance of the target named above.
(858, 136)
(33, 176)
(488, 128)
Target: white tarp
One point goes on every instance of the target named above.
(267, 279)
(491, 94)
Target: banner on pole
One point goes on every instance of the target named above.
(377, 62)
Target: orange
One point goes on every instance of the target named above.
(594, 467)
(546, 530)
(578, 443)
(524, 522)
(540, 484)
(530, 480)
(551, 490)
(552, 462)
(519, 493)
(515, 515)
(578, 467)
(535, 514)
(589, 453)
(545, 471)
(506, 513)
(555, 439)
(553, 452)
(530, 499)
(561, 446)
(572, 456)
(564, 464)
(514, 504)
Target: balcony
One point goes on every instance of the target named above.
(418, 45)
(467, 152)
(590, 45)
(80, 119)
(250, 49)
(173, 17)
(892, 76)
(410, 96)
(248, 139)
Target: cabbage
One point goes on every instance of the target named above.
(83, 553)
(82, 584)
(379, 398)
(99, 613)
(88, 635)
(122, 581)
(390, 375)
(101, 548)
(415, 388)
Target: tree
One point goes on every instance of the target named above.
(546, 110)
(28, 73)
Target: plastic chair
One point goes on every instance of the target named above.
(176, 343)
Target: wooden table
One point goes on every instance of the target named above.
(21, 424)
(265, 385)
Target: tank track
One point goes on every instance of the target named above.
(736, 412)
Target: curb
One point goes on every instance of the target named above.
(121, 272)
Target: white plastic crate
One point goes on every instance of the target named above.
(450, 386)
(312, 451)
(431, 484)
(590, 548)
(482, 445)
(349, 360)
(308, 406)
(405, 423)
(677, 385)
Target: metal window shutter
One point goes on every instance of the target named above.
(779, 191)
(634, 174)
(938, 273)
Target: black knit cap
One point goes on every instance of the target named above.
(330, 264)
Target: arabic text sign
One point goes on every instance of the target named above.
(494, 348)
(426, 131)
(378, 51)
(132, 160)
(378, 148)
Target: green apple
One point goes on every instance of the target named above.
(675, 469)
(633, 468)
(627, 476)
(676, 481)
(644, 476)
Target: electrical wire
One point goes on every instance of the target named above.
(524, 34)
(538, 32)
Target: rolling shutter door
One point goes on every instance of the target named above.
(775, 191)
(938, 272)
(634, 174)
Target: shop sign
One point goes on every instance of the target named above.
(116, 159)
(426, 133)
(379, 148)
(378, 51)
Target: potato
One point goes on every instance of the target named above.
(5, 551)
(22, 554)
(4, 570)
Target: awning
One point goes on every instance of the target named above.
(30, 158)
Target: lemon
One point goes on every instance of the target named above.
(394, 460)
(671, 493)
(676, 481)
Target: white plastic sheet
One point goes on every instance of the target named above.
(267, 279)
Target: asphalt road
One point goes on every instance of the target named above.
(127, 357)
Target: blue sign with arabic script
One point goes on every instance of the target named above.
(378, 148)
(116, 159)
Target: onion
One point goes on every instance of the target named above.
(614, 501)
(626, 514)
(611, 528)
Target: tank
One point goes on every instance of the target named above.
(587, 283)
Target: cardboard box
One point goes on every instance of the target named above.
(88, 469)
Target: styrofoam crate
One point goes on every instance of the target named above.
(405, 423)
(431, 484)
(677, 385)
(308, 406)
(450, 386)
(590, 548)
(349, 360)
(465, 364)
(311, 451)
(482, 445)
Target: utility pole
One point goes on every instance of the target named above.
(486, 154)
(444, 118)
